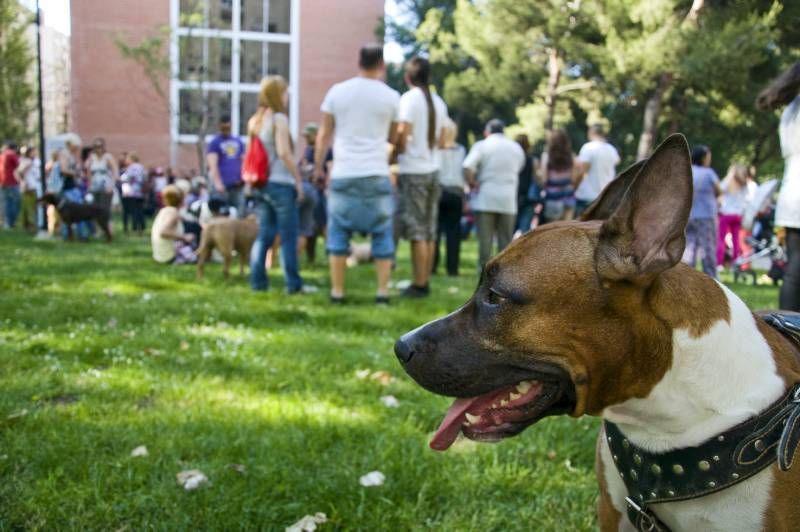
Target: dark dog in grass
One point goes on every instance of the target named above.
(72, 213)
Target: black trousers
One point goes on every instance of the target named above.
(790, 290)
(133, 210)
(451, 204)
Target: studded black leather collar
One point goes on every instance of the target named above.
(719, 463)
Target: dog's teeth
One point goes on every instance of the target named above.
(471, 420)
(503, 402)
(524, 386)
(514, 396)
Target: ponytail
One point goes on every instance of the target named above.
(418, 72)
(431, 117)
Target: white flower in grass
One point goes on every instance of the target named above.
(390, 401)
(139, 451)
(308, 523)
(191, 479)
(362, 374)
(147, 296)
(372, 479)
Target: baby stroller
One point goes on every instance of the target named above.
(767, 253)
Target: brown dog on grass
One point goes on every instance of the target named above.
(227, 235)
(72, 213)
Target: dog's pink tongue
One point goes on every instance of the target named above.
(448, 430)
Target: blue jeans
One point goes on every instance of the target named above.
(276, 207)
(525, 212)
(361, 205)
(11, 204)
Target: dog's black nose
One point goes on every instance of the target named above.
(403, 351)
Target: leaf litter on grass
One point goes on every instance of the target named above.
(372, 479)
(191, 479)
(390, 401)
(308, 523)
(140, 451)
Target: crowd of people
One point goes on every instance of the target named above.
(383, 165)
(84, 174)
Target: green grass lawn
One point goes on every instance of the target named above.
(102, 351)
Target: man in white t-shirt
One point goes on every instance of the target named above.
(359, 115)
(492, 169)
(420, 119)
(597, 162)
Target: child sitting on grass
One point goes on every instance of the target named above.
(171, 245)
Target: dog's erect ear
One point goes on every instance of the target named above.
(646, 233)
(604, 206)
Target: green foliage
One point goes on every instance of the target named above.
(612, 54)
(16, 71)
(404, 29)
(715, 58)
(503, 47)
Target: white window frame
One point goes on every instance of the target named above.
(234, 86)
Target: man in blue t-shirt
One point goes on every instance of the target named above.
(224, 155)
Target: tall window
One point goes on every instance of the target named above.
(220, 51)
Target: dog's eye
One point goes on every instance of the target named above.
(494, 298)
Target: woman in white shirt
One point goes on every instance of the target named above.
(732, 202)
(420, 116)
(450, 158)
(785, 91)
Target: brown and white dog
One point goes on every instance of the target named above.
(227, 235)
(599, 317)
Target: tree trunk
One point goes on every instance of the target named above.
(553, 78)
(652, 111)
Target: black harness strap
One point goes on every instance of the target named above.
(716, 464)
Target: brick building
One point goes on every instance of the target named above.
(218, 51)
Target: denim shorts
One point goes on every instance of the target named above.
(361, 205)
